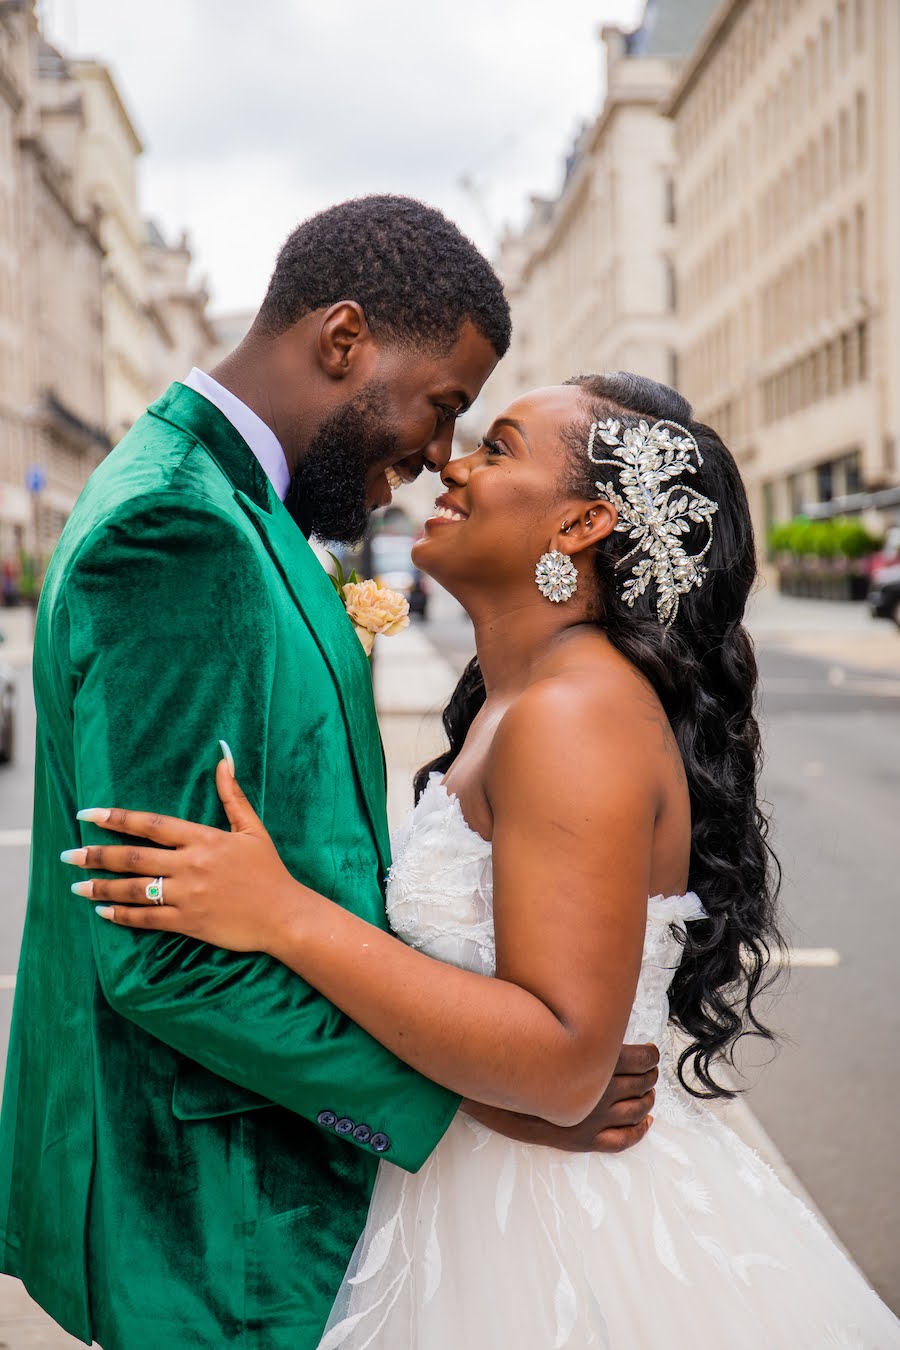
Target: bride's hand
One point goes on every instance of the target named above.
(230, 890)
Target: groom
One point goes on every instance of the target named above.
(190, 1136)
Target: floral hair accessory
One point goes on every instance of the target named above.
(372, 609)
(653, 514)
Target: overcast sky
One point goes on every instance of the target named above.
(256, 115)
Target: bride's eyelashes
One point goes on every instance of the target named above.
(492, 447)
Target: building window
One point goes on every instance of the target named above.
(825, 482)
(669, 205)
(841, 32)
(847, 372)
(671, 285)
(853, 474)
(828, 160)
(826, 53)
(860, 264)
(843, 145)
(673, 368)
(844, 279)
(861, 130)
(862, 350)
(768, 501)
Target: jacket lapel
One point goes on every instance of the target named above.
(326, 618)
(307, 584)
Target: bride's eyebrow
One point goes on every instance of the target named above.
(517, 427)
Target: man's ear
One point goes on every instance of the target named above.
(586, 524)
(343, 336)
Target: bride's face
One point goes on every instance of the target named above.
(503, 506)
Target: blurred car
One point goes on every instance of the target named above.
(392, 565)
(884, 593)
(7, 712)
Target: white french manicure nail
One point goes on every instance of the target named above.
(229, 757)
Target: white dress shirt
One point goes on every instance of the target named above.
(260, 438)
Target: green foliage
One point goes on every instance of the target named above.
(841, 537)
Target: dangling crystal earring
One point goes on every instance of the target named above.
(556, 576)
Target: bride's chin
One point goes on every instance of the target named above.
(439, 569)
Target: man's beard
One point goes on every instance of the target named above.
(329, 488)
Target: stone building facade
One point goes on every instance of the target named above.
(97, 312)
(787, 139)
(15, 504)
(53, 425)
(591, 278)
(185, 334)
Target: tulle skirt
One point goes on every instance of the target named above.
(686, 1242)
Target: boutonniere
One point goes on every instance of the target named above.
(372, 609)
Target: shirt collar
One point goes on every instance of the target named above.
(260, 437)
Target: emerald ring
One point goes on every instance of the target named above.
(154, 891)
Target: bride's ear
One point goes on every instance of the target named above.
(586, 524)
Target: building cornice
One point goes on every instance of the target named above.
(96, 70)
(53, 414)
(721, 21)
(651, 97)
(9, 90)
(53, 177)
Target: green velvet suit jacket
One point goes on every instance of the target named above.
(189, 1135)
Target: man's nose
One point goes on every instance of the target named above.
(438, 451)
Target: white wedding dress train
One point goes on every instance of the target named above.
(686, 1242)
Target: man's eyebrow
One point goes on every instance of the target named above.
(516, 426)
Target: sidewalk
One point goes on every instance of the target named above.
(845, 634)
(17, 627)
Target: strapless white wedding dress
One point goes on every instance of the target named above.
(687, 1240)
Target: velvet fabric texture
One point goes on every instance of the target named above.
(163, 1180)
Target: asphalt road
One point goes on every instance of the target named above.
(831, 1098)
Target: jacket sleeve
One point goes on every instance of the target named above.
(171, 640)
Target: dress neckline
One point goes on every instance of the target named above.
(435, 781)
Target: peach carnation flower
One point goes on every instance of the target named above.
(375, 609)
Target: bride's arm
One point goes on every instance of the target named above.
(574, 805)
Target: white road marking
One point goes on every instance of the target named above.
(15, 838)
(886, 688)
(808, 958)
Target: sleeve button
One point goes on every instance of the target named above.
(380, 1143)
(344, 1125)
(326, 1118)
(362, 1133)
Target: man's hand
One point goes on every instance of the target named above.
(620, 1119)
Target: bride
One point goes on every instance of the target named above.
(603, 750)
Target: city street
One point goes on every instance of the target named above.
(833, 778)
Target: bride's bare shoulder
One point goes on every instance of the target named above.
(590, 714)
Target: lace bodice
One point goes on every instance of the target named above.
(439, 899)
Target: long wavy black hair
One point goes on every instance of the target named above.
(703, 670)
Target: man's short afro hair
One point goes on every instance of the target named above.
(416, 276)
